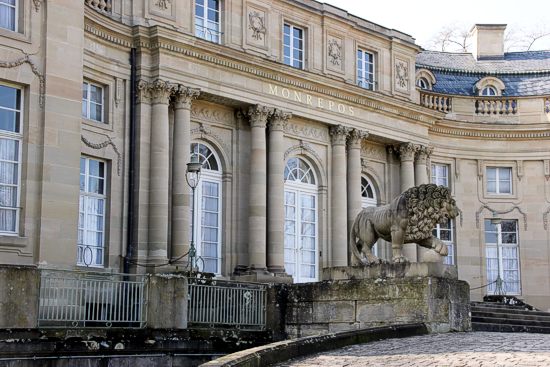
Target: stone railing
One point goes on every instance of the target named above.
(496, 106)
(436, 102)
(101, 5)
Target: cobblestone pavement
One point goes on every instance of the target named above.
(454, 349)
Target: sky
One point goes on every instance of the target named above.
(423, 19)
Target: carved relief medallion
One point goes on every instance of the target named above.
(335, 52)
(257, 25)
(162, 4)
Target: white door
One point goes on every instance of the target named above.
(208, 210)
(368, 198)
(301, 239)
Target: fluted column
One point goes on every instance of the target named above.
(406, 153)
(275, 193)
(354, 174)
(181, 197)
(257, 217)
(421, 165)
(338, 191)
(159, 171)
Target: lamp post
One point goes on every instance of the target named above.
(499, 282)
(192, 176)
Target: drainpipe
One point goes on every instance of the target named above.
(131, 165)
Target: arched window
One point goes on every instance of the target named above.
(301, 224)
(489, 91)
(208, 209)
(368, 195)
(422, 83)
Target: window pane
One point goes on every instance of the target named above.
(509, 226)
(504, 187)
(7, 16)
(96, 94)
(504, 173)
(9, 97)
(491, 186)
(491, 173)
(199, 10)
(7, 220)
(9, 120)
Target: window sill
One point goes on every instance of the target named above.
(97, 124)
(14, 35)
(13, 240)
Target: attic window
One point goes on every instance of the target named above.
(489, 86)
(489, 91)
(422, 83)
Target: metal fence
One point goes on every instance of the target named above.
(217, 303)
(85, 299)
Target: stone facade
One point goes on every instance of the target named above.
(231, 91)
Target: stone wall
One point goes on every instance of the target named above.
(442, 303)
(19, 289)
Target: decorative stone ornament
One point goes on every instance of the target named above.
(257, 25)
(335, 52)
(162, 4)
(338, 134)
(401, 75)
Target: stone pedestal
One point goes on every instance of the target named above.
(389, 294)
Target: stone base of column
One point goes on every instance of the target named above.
(240, 270)
(262, 276)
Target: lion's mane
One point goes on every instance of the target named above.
(424, 204)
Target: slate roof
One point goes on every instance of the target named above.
(523, 73)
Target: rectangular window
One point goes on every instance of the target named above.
(440, 174)
(91, 220)
(293, 45)
(207, 20)
(8, 14)
(365, 70)
(92, 101)
(502, 256)
(499, 180)
(445, 233)
(10, 158)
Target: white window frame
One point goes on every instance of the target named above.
(497, 179)
(88, 101)
(206, 33)
(16, 15)
(423, 84)
(214, 176)
(361, 73)
(436, 177)
(299, 189)
(450, 258)
(365, 200)
(18, 137)
(499, 248)
(486, 91)
(85, 195)
(291, 59)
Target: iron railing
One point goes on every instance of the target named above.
(86, 299)
(217, 303)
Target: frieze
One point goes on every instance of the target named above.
(26, 60)
(374, 152)
(306, 132)
(302, 148)
(504, 135)
(199, 112)
(104, 144)
(274, 76)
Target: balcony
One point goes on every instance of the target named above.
(436, 102)
(496, 106)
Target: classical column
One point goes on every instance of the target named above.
(338, 190)
(181, 197)
(275, 193)
(354, 174)
(159, 171)
(421, 165)
(406, 153)
(257, 217)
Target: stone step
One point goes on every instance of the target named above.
(500, 320)
(512, 316)
(498, 305)
(475, 309)
(509, 328)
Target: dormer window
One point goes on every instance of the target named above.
(425, 79)
(489, 91)
(422, 83)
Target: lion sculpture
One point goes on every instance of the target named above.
(409, 218)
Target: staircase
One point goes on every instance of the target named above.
(497, 313)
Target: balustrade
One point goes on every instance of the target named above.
(496, 106)
(101, 5)
(436, 102)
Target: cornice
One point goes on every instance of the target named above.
(521, 133)
(171, 41)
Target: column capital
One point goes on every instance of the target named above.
(156, 92)
(338, 134)
(278, 120)
(355, 137)
(258, 115)
(423, 152)
(407, 151)
(184, 96)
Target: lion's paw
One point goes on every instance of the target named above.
(400, 259)
(442, 249)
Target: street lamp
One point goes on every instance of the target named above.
(192, 176)
(499, 289)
